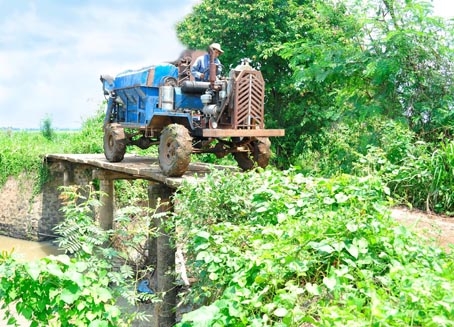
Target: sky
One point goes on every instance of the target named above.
(52, 52)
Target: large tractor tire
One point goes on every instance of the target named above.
(114, 143)
(175, 148)
(259, 154)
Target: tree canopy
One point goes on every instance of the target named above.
(327, 62)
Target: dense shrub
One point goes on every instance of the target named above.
(280, 249)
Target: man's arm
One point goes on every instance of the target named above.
(196, 68)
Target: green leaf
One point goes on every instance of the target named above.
(87, 248)
(98, 323)
(280, 312)
(34, 269)
(112, 310)
(24, 310)
(323, 247)
(203, 234)
(353, 250)
(341, 197)
(76, 277)
(104, 294)
(313, 289)
(69, 297)
(54, 269)
(201, 317)
(352, 226)
(328, 200)
(12, 321)
(330, 282)
(64, 259)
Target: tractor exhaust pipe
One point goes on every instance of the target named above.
(213, 70)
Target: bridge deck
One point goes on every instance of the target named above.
(137, 167)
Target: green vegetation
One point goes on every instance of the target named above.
(23, 152)
(364, 91)
(337, 73)
(282, 249)
(46, 128)
(82, 287)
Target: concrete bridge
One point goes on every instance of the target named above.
(78, 168)
(132, 167)
(27, 215)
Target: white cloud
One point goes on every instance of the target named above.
(51, 63)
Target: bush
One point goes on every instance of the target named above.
(82, 287)
(298, 250)
(337, 150)
(46, 128)
(421, 175)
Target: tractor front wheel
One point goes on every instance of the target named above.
(114, 143)
(261, 151)
(258, 155)
(175, 148)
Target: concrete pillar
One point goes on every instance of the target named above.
(68, 174)
(106, 211)
(153, 200)
(164, 312)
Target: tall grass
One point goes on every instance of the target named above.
(23, 152)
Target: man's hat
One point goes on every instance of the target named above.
(216, 46)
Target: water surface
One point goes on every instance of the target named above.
(27, 250)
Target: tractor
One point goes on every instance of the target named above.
(163, 105)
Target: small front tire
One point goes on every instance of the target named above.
(258, 155)
(114, 143)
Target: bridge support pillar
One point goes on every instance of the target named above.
(160, 198)
(106, 210)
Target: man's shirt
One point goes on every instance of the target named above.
(202, 66)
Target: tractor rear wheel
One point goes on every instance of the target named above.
(114, 143)
(175, 148)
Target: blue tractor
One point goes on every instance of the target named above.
(163, 105)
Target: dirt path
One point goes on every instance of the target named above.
(436, 228)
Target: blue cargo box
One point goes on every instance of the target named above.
(152, 76)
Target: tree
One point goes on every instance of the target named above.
(252, 29)
(46, 128)
(395, 62)
(330, 61)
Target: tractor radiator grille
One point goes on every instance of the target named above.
(248, 110)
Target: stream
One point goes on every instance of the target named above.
(27, 250)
